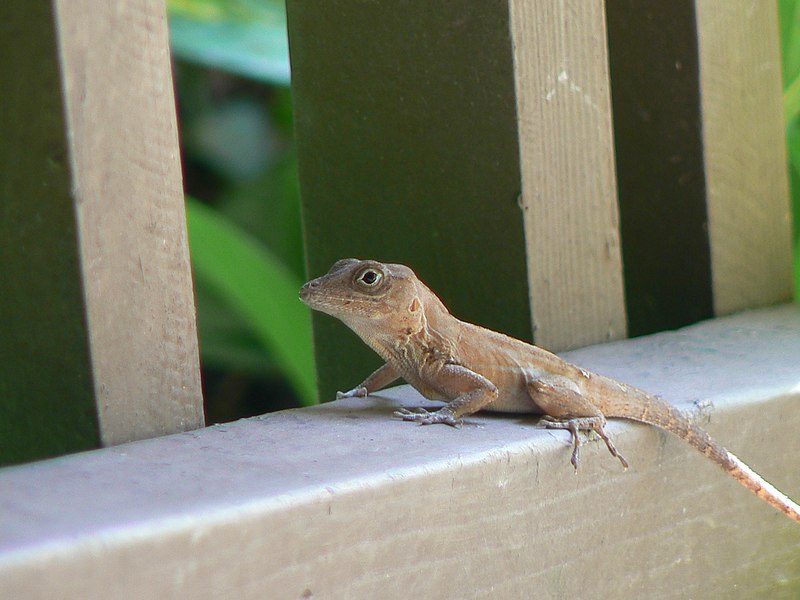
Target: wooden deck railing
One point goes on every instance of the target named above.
(477, 142)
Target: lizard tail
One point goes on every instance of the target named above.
(652, 410)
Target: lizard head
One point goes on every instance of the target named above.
(362, 293)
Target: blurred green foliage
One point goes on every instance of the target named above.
(258, 287)
(232, 76)
(790, 48)
(247, 37)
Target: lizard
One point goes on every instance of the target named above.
(472, 368)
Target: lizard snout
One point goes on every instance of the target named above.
(308, 289)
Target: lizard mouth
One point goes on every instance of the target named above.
(307, 294)
(310, 296)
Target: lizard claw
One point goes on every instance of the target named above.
(357, 392)
(574, 426)
(423, 417)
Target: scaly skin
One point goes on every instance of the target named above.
(472, 368)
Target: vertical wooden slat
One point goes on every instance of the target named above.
(745, 153)
(122, 298)
(129, 202)
(567, 158)
(700, 158)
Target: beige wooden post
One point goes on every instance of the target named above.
(96, 282)
(128, 192)
(569, 188)
(747, 183)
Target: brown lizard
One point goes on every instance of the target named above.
(473, 368)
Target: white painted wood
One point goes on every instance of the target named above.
(749, 215)
(342, 501)
(128, 194)
(568, 180)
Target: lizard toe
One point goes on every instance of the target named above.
(356, 392)
(409, 415)
(424, 417)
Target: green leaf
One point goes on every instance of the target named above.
(245, 37)
(259, 288)
(796, 271)
(226, 341)
(789, 13)
(791, 101)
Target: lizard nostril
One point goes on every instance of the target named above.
(308, 288)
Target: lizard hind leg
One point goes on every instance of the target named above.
(567, 408)
(575, 426)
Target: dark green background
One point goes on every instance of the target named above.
(47, 405)
(660, 165)
(421, 168)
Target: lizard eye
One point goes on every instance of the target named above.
(370, 277)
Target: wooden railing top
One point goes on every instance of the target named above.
(342, 500)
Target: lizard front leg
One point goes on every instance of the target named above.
(378, 380)
(565, 407)
(472, 392)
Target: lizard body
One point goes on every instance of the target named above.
(473, 368)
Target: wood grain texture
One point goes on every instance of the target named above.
(745, 155)
(128, 196)
(568, 180)
(342, 501)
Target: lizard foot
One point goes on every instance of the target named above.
(357, 392)
(574, 426)
(423, 417)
